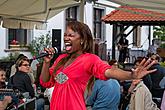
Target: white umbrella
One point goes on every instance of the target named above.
(25, 14)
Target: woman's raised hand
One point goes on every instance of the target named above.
(142, 69)
(51, 52)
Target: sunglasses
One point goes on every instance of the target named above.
(25, 65)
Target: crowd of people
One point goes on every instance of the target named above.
(81, 80)
(21, 79)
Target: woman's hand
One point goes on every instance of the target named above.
(51, 52)
(142, 69)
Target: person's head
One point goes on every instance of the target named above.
(155, 57)
(113, 62)
(23, 65)
(137, 62)
(78, 37)
(19, 56)
(2, 75)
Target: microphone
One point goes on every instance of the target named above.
(43, 54)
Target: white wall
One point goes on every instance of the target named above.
(3, 42)
(56, 22)
(88, 15)
(108, 31)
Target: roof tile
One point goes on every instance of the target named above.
(127, 13)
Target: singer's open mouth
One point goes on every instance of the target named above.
(68, 46)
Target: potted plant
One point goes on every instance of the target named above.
(14, 44)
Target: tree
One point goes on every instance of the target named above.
(159, 32)
(39, 43)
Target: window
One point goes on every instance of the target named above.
(98, 25)
(71, 14)
(137, 37)
(17, 37)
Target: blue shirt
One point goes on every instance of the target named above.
(105, 95)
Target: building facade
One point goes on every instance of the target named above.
(17, 40)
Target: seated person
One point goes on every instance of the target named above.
(141, 97)
(21, 80)
(13, 68)
(105, 95)
(2, 79)
(157, 77)
(128, 86)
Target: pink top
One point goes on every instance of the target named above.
(70, 94)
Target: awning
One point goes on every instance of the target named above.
(25, 14)
(152, 5)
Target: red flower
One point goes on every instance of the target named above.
(14, 42)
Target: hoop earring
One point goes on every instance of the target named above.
(81, 42)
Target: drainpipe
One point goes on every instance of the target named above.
(149, 35)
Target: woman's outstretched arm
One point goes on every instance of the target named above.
(137, 73)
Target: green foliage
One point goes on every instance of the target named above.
(11, 57)
(162, 45)
(162, 64)
(159, 31)
(39, 43)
